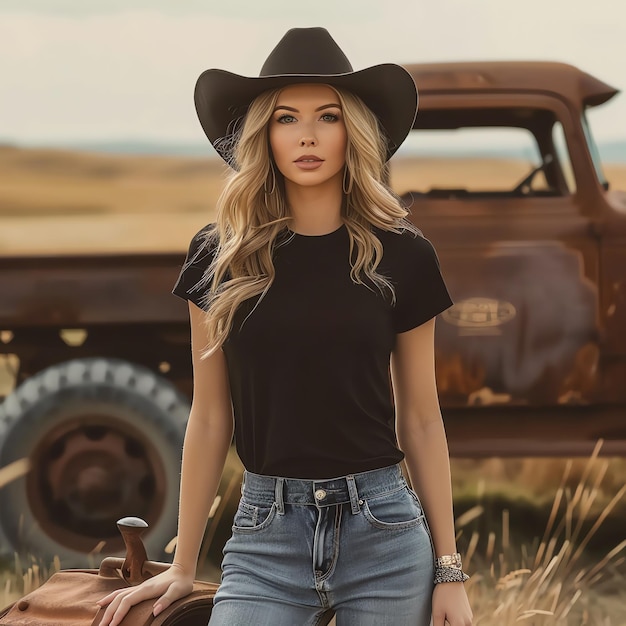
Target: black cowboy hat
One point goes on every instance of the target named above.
(307, 55)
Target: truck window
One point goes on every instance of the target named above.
(560, 146)
(593, 150)
(460, 153)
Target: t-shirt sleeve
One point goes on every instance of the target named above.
(421, 291)
(199, 257)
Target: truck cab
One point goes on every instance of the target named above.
(531, 359)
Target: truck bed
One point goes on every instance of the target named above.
(67, 291)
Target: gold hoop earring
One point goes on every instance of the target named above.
(347, 186)
(272, 177)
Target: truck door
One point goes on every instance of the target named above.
(490, 181)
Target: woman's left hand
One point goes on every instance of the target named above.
(451, 605)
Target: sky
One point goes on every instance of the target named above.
(92, 70)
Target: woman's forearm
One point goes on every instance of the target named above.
(427, 459)
(204, 454)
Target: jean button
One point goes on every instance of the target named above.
(320, 494)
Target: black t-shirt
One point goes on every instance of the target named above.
(309, 364)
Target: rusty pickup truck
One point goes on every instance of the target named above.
(531, 359)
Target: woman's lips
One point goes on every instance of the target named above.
(308, 163)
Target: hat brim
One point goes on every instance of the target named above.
(388, 89)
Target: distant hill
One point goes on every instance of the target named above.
(199, 149)
(613, 151)
(610, 152)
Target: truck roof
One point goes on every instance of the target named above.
(560, 79)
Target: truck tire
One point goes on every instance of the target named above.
(104, 440)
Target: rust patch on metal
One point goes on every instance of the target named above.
(524, 326)
(579, 385)
(486, 396)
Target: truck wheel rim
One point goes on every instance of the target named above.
(89, 472)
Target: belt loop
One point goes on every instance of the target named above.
(355, 503)
(279, 496)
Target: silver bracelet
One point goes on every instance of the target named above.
(449, 575)
(448, 569)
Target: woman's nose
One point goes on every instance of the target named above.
(308, 141)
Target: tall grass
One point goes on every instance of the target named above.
(23, 577)
(551, 581)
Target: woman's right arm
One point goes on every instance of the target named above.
(207, 440)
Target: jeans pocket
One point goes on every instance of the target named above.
(252, 518)
(397, 510)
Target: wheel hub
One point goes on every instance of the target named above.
(87, 475)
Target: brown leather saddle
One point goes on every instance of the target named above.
(69, 597)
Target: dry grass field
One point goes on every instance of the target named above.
(54, 202)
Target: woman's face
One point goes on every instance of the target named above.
(308, 136)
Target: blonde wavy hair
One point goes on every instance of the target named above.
(250, 219)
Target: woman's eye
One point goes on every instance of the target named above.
(286, 119)
(330, 117)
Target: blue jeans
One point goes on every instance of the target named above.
(303, 550)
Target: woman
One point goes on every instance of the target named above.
(308, 287)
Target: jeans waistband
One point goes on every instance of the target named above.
(352, 488)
